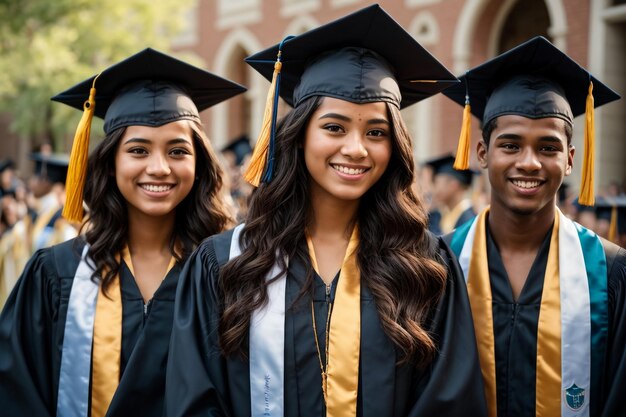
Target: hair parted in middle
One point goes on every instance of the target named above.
(200, 214)
(395, 254)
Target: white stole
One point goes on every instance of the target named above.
(267, 344)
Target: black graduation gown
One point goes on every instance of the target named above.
(201, 382)
(434, 220)
(31, 338)
(515, 328)
(467, 215)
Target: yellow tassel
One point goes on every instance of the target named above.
(613, 226)
(586, 196)
(255, 169)
(77, 169)
(461, 162)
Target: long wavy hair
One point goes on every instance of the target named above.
(200, 214)
(395, 257)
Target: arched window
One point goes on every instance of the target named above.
(528, 18)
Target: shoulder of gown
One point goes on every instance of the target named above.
(196, 378)
(31, 331)
(615, 366)
(452, 384)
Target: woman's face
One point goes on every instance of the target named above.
(155, 167)
(347, 148)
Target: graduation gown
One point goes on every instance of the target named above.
(201, 382)
(435, 217)
(515, 324)
(31, 338)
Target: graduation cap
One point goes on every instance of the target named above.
(149, 88)
(612, 209)
(445, 165)
(51, 167)
(6, 164)
(534, 80)
(240, 147)
(363, 57)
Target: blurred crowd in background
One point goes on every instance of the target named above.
(30, 205)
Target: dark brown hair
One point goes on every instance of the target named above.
(200, 214)
(394, 257)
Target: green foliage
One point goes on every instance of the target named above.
(48, 46)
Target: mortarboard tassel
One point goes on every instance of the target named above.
(262, 155)
(612, 235)
(587, 197)
(461, 162)
(77, 169)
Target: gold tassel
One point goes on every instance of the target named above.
(255, 169)
(613, 225)
(587, 197)
(77, 169)
(461, 162)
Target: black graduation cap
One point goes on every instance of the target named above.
(378, 48)
(363, 57)
(149, 88)
(611, 201)
(6, 164)
(445, 165)
(534, 80)
(612, 209)
(240, 147)
(51, 167)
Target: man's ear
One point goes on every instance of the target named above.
(481, 153)
(570, 159)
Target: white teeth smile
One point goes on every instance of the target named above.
(349, 171)
(526, 184)
(156, 188)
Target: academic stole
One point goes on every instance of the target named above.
(573, 316)
(342, 372)
(267, 343)
(267, 340)
(92, 343)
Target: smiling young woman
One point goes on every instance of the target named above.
(347, 147)
(333, 298)
(86, 331)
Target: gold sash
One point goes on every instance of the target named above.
(450, 217)
(344, 334)
(548, 374)
(107, 342)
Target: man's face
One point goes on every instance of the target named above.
(527, 160)
(446, 189)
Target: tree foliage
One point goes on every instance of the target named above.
(47, 46)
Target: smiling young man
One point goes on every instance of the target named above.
(548, 296)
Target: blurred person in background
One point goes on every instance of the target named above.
(611, 214)
(452, 205)
(236, 156)
(36, 224)
(48, 187)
